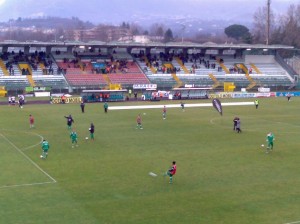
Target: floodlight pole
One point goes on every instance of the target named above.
(268, 21)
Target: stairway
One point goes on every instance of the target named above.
(243, 67)
(252, 82)
(25, 66)
(106, 78)
(3, 67)
(150, 66)
(255, 69)
(223, 66)
(179, 82)
(30, 80)
(186, 71)
(216, 82)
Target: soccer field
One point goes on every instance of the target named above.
(222, 176)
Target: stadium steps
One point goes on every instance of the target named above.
(30, 80)
(292, 86)
(186, 71)
(25, 66)
(107, 79)
(216, 82)
(243, 67)
(251, 85)
(3, 67)
(255, 68)
(179, 82)
(42, 66)
(150, 66)
(252, 82)
(223, 67)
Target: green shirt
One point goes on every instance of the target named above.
(270, 138)
(45, 145)
(73, 135)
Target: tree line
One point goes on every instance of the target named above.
(284, 29)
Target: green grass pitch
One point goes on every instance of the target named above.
(222, 176)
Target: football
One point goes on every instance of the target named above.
(152, 174)
(262, 145)
(86, 138)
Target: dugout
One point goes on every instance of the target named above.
(189, 93)
(103, 95)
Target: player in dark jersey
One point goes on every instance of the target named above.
(70, 121)
(92, 130)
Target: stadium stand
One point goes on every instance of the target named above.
(67, 69)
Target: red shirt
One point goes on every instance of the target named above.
(31, 120)
(173, 171)
(138, 119)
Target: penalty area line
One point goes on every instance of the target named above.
(24, 185)
(177, 106)
(292, 222)
(30, 160)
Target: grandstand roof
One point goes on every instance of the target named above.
(211, 45)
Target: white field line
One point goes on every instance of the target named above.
(292, 222)
(25, 185)
(27, 132)
(33, 163)
(177, 106)
(32, 146)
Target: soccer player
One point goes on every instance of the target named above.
(288, 97)
(234, 123)
(92, 130)
(182, 106)
(105, 106)
(13, 100)
(164, 112)
(238, 126)
(139, 122)
(21, 101)
(74, 138)
(31, 121)
(171, 172)
(270, 140)
(70, 121)
(45, 148)
(256, 102)
(82, 105)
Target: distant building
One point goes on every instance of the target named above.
(103, 33)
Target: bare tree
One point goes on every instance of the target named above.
(260, 24)
(157, 29)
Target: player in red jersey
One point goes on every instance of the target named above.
(164, 112)
(31, 121)
(139, 122)
(171, 172)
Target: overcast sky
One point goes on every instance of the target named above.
(100, 11)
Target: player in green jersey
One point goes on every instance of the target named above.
(45, 148)
(270, 140)
(74, 138)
